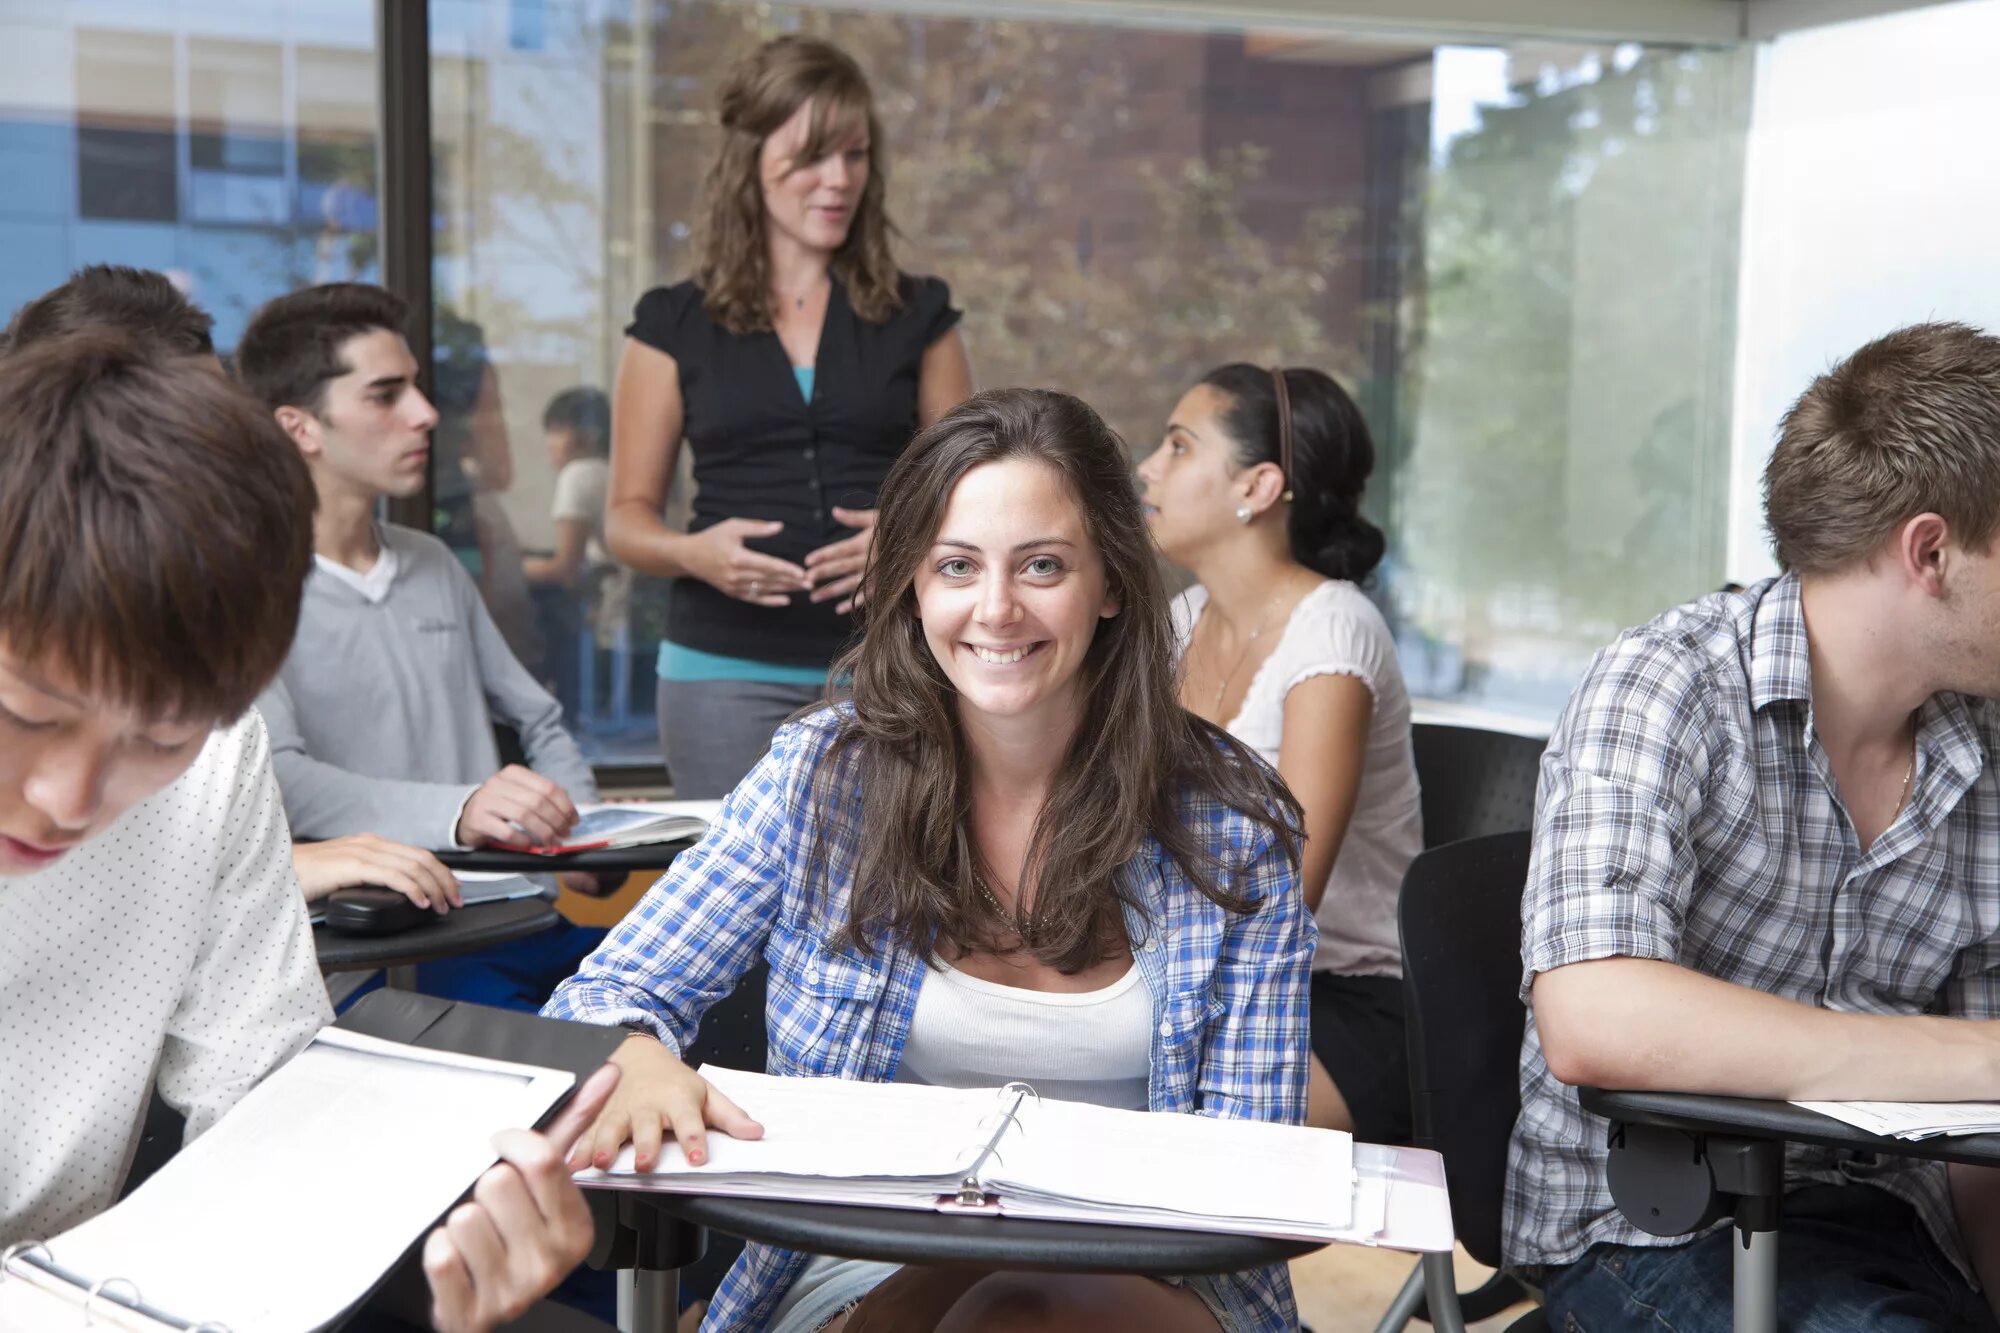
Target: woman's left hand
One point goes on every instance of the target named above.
(835, 568)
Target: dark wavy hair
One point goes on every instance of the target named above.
(1136, 754)
(762, 92)
(1332, 455)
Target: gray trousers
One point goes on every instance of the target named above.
(713, 732)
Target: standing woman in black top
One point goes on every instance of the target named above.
(796, 365)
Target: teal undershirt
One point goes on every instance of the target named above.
(680, 663)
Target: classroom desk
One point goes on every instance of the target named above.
(620, 860)
(1664, 1188)
(902, 1235)
(498, 1034)
(1751, 1117)
(460, 931)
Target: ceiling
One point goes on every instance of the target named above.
(1376, 32)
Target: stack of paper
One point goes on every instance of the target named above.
(1004, 1151)
(296, 1202)
(1913, 1120)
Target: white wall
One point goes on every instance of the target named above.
(1872, 197)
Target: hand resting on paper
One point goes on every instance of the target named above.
(659, 1095)
(525, 1227)
(342, 863)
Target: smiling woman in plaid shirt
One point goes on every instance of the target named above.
(1767, 863)
(1011, 855)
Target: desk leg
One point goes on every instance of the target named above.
(400, 978)
(1756, 1282)
(648, 1300)
(1404, 1308)
(1441, 1293)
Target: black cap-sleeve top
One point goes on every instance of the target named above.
(761, 451)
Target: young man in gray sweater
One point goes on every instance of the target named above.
(382, 717)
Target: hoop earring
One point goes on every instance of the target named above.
(1243, 514)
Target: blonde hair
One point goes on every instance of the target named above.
(761, 93)
(1907, 425)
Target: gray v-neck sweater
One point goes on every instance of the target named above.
(382, 717)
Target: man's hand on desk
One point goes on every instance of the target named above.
(525, 1227)
(516, 805)
(340, 863)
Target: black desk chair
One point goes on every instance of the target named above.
(159, 1139)
(1460, 916)
(1474, 782)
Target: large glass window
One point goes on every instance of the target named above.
(1520, 258)
(1872, 194)
(231, 146)
(1555, 388)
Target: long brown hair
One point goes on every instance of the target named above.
(1136, 756)
(761, 93)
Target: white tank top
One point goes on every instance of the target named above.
(1089, 1046)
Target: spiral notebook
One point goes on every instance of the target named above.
(1008, 1152)
(293, 1206)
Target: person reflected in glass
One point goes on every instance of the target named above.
(1256, 491)
(576, 426)
(1009, 854)
(795, 365)
(578, 589)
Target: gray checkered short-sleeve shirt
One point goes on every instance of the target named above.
(1687, 813)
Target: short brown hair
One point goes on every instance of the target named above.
(760, 93)
(157, 525)
(292, 345)
(137, 300)
(1908, 425)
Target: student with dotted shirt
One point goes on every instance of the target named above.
(147, 305)
(151, 927)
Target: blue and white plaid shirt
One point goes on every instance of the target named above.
(1229, 991)
(1687, 813)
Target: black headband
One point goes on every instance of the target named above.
(1284, 427)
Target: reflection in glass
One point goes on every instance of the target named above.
(1521, 259)
(218, 145)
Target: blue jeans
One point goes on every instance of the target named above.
(1851, 1258)
(516, 975)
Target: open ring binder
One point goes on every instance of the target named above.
(971, 1192)
(95, 1300)
(97, 1290)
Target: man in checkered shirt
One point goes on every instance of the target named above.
(1767, 863)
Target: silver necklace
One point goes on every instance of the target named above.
(1027, 921)
(1263, 623)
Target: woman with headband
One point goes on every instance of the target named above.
(1256, 491)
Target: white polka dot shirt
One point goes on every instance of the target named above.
(174, 943)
